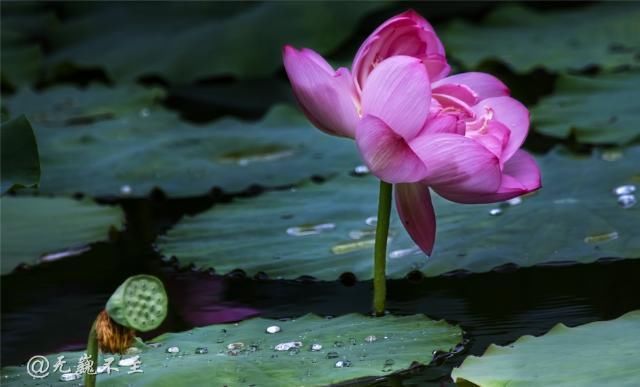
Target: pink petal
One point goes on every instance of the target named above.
(511, 114)
(414, 206)
(483, 85)
(398, 92)
(405, 34)
(387, 155)
(494, 136)
(442, 123)
(327, 98)
(521, 176)
(457, 163)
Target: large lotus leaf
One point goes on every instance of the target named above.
(23, 23)
(322, 231)
(245, 354)
(38, 229)
(606, 35)
(194, 40)
(20, 161)
(597, 110)
(112, 141)
(596, 354)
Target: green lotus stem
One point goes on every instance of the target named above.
(92, 352)
(380, 252)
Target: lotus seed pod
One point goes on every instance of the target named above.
(139, 303)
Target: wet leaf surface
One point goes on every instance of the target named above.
(106, 141)
(40, 229)
(603, 109)
(324, 230)
(596, 354)
(309, 350)
(604, 35)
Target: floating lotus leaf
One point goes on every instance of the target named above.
(245, 354)
(40, 229)
(189, 41)
(325, 230)
(595, 354)
(117, 141)
(605, 35)
(598, 110)
(20, 161)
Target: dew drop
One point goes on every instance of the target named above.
(598, 238)
(371, 221)
(495, 212)
(338, 344)
(128, 362)
(70, 376)
(343, 363)
(310, 229)
(125, 189)
(235, 346)
(359, 234)
(288, 346)
(173, 350)
(316, 347)
(611, 155)
(624, 189)
(332, 355)
(626, 201)
(360, 170)
(145, 112)
(273, 329)
(370, 339)
(404, 252)
(155, 345)
(515, 201)
(202, 350)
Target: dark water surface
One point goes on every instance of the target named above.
(50, 307)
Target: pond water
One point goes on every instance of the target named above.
(50, 307)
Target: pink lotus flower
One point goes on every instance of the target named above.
(458, 135)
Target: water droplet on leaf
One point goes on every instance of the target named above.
(202, 350)
(70, 376)
(495, 212)
(332, 355)
(343, 364)
(288, 346)
(626, 201)
(273, 329)
(624, 189)
(173, 350)
(371, 221)
(370, 339)
(310, 229)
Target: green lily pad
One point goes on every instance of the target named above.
(23, 23)
(20, 161)
(597, 110)
(323, 230)
(595, 354)
(39, 229)
(189, 41)
(245, 354)
(605, 35)
(117, 141)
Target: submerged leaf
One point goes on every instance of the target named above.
(595, 354)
